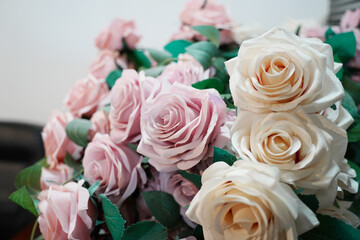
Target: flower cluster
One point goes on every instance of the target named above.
(201, 139)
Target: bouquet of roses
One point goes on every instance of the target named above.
(204, 139)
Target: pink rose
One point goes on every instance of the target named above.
(56, 142)
(86, 96)
(350, 20)
(112, 36)
(180, 126)
(57, 175)
(173, 183)
(182, 189)
(212, 14)
(103, 64)
(66, 212)
(116, 166)
(99, 123)
(314, 32)
(186, 71)
(126, 98)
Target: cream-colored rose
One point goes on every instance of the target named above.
(339, 115)
(305, 147)
(247, 201)
(280, 71)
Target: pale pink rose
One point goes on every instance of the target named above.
(182, 189)
(99, 123)
(116, 166)
(86, 96)
(57, 175)
(212, 14)
(56, 142)
(112, 36)
(66, 212)
(125, 108)
(350, 20)
(180, 126)
(186, 71)
(314, 32)
(173, 183)
(104, 64)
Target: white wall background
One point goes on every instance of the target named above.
(46, 45)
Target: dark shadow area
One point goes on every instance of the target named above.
(20, 146)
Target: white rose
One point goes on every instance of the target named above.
(339, 115)
(280, 71)
(305, 147)
(247, 201)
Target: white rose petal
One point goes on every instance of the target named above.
(280, 71)
(246, 201)
(307, 148)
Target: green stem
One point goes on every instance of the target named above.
(73, 177)
(204, 4)
(34, 229)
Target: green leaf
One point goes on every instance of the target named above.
(22, 198)
(210, 33)
(230, 54)
(228, 100)
(145, 160)
(353, 88)
(329, 33)
(132, 146)
(71, 162)
(94, 187)
(220, 155)
(177, 47)
(146, 230)
(30, 178)
(43, 162)
(155, 71)
(343, 45)
(354, 133)
(113, 218)
(203, 52)
(356, 168)
(163, 207)
(297, 32)
(112, 77)
(204, 46)
(221, 72)
(194, 178)
(198, 232)
(210, 83)
(349, 104)
(331, 228)
(77, 130)
(140, 59)
(298, 191)
(159, 56)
